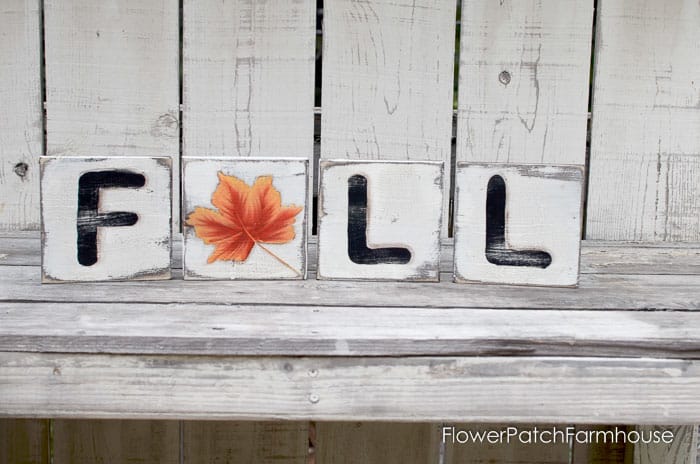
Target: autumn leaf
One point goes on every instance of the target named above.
(247, 216)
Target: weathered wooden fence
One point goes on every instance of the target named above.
(205, 77)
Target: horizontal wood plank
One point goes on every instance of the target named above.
(484, 389)
(344, 331)
(596, 291)
(597, 256)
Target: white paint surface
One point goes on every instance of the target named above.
(112, 79)
(404, 210)
(645, 128)
(200, 181)
(141, 251)
(388, 79)
(20, 113)
(523, 81)
(543, 212)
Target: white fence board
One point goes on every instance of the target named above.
(21, 125)
(248, 78)
(645, 142)
(523, 83)
(112, 85)
(388, 80)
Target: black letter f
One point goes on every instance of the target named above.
(89, 218)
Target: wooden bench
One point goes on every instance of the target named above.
(366, 372)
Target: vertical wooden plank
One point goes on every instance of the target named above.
(154, 442)
(388, 80)
(112, 79)
(258, 442)
(248, 79)
(645, 143)
(683, 449)
(504, 453)
(24, 441)
(523, 81)
(357, 442)
(599, 452)
(21, 124)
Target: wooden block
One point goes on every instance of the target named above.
(380, 220)
(644, 181)
(245, 218)
(105, 218)
(518, 224)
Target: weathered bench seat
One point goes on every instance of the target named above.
(624, 347)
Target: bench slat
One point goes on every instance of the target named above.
(487, 389)
(344, 331)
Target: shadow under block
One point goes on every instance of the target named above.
(106, 218)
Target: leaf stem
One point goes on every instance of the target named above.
(283, 262)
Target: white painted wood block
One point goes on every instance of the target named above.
(380, 220)
(105, 218)
(245, 218)
(518, 224)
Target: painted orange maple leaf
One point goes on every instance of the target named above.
(246, 216)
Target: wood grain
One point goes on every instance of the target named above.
(256, 330)
(683, 450)
(137, 249)
(597, 256)
(595, 292)
(523, 229)
(254, 442)
(278, 259)
(354, 442)
(112, 85)
(645, 162)
(482, 389)
(116, 441)
(523, 81)
(373, 224)
(21, 118)
(600, 452)
(513, 452)
(24, 441)
(248, 78)
(388, 80)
